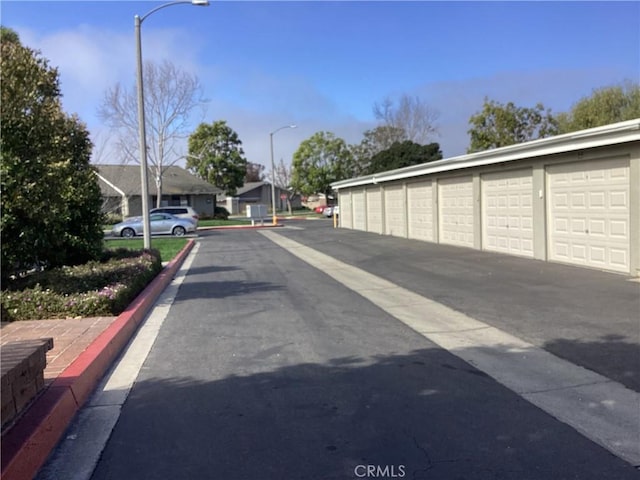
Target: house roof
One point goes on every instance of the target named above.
(613, 134)
(248, 187)
(125, 180)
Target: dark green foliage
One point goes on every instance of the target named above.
(221, 213)
(96, 288)
(403, 154)
(50, 195)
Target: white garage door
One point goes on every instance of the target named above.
(345, 217)
(507, 212)
(588, 211)
(374, 210)
(394, 210)
(420, 210)
(359, 211)
(455, 199)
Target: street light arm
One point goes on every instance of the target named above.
(282, 128)
(201, 3)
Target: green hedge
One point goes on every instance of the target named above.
(98, 288)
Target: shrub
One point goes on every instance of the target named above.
(96, 288)
(112, 218)
(221, 213)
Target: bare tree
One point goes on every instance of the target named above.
(255, 172)
(170, 97)
(411, 115)
(282, 180)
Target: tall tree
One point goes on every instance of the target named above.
(319, 161)
(51, 200)
(216, 155)
(409, 114)
(374, 141)
(605, 105)
(404, 154)
(255, 172)
(498, 125)
(171, 97)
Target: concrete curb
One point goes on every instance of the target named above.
(240, 227)
(26, 446)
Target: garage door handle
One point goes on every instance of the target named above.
(586, 231)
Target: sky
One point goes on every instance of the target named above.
(323, 65)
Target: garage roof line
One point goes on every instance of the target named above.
(613, 134)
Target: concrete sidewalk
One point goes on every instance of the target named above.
(83, 351)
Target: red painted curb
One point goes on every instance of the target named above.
(26, 446)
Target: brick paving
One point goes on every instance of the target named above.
(70, 338)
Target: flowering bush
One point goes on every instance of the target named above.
(97, 288)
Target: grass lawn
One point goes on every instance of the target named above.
(168, 247)
(223, 223)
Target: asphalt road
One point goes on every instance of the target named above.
(267, 368)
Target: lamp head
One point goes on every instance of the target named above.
(200, 3)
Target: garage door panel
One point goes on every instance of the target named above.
(394, 209)
(346, 219)
(456, 211)
(359, 210)
(374, 210)
(420, 210)
(507, 212)
(588, 213)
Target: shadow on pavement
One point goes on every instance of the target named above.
(425, 413)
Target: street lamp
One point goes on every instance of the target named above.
(141, 126)
(273, 174)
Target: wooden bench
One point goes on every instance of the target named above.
(23, 363)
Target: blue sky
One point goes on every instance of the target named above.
(323, 65)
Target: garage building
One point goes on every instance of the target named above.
(573, 198)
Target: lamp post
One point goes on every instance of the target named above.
(273, 174)
(141, 121)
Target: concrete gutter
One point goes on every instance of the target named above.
(26, 446)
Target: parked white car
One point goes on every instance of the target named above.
(160, 223)
(187, 213)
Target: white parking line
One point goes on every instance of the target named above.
(604, 411)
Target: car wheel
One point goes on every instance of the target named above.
(178, 232)
(128, 233)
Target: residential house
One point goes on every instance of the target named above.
(254, 193)
(121, 190)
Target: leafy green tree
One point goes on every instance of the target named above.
(216, 156)
(605, 105)
(498, 125)
(404, 154)
(50, 195)
(319, 161)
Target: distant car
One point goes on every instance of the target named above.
(161, 223)
(319, 209)
(181, 212)
(330, 211)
